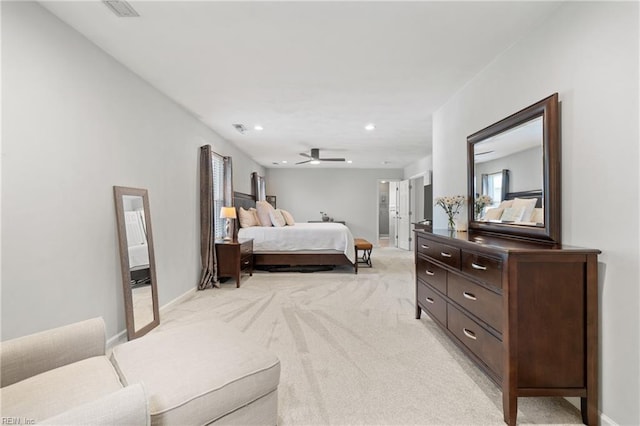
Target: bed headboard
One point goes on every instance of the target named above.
(536, 193)
(243, 200)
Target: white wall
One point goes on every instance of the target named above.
(347, 195)
(75, 123)
(588, 53)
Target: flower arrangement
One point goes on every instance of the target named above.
(481, 202)
(451, 206)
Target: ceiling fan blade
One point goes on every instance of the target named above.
(331, 159)
(302, 162)
(305, 155)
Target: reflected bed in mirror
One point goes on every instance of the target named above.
(137, 260)
(514, 174)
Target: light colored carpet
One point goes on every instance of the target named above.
(352, 351)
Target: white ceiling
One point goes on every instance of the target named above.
(313, 74)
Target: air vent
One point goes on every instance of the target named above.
(121, 9)
(240, 128)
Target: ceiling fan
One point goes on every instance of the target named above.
(315, 156)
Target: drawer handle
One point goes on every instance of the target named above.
(478, 267)
(445, 254)
(424, 246)
(246, 262)
(429, 300)
(469, 296)
(470, 334)
(428, 272)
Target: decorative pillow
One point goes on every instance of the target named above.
(527, 204)
(263, 208)
(247, 218)
(538, 215)
(288, 217)
(506, 204)
(512, 214)
(493, 214)
(276, 218)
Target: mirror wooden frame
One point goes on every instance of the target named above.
(118, 193)
(548, 109)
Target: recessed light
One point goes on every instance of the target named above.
(284, 161)
(258, 127)
(349, 161)
(370, 127)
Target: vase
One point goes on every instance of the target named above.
(451, 225)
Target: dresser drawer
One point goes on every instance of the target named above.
(482, 343)
(444, 253)
(481, 302)
(432, 303)
(484, 268)
(432, 274)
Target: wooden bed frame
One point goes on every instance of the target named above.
(247, 201)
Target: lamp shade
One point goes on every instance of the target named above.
(228, 212)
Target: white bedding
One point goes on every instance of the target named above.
(301, 237)
(138, 256)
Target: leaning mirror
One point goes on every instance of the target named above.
(137, 260)
(514, 174)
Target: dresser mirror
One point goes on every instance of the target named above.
(514, 174)
(137, 260)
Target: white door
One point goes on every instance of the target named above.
(404, 216)
(393, 214)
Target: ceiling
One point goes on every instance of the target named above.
(313, 74)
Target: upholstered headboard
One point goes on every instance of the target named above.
(243, 200)
(536, 193)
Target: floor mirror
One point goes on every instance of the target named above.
(137, 260)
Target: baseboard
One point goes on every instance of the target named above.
(604, 420)
(121, 337)
(178, 300)
(607, 421)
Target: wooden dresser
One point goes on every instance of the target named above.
(525, 312)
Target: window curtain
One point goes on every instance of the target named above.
(216, 190)
(207, 223)
(258, 187)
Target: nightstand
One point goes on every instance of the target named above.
(234, 257)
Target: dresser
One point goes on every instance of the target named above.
(525, 313)
(233, 257)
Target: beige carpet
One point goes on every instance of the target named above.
(353, 353)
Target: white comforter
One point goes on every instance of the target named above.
(301, 237)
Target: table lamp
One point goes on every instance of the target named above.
(227, 213)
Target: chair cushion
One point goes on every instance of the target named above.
(197, 373)
(362, 244)
(55, 391)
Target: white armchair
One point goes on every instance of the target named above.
(63, 376)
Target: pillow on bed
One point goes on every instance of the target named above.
(527, 204)
(247, 218)
(512, 214)
(506, 204)
(263, 208)
(493, 214)
(276, 218)
(288, 217)
(538, 215)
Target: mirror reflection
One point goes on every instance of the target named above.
(138, 248)
(136, 252)
(509, 176)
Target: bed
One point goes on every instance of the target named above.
(303, 244)
(137, 247)
(535, 215)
